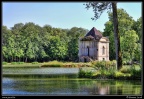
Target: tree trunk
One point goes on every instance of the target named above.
(116, 36)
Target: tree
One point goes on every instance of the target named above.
(137, 26)
(6, 34)
(130, 43)
(98, 8)
(73, 35)
(125, 24)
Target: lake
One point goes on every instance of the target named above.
(49, 81)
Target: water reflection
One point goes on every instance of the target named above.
(64, 84)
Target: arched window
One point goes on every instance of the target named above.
(103, 50)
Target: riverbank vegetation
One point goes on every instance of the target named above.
(46, 64)
(107, 70)
(94, 69)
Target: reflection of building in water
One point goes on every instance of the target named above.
(98, 90)
(103, 90)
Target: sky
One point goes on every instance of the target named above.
(63, 15)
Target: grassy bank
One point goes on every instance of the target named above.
(64, 64)
(46, 64)
(94, 70)
(20, 64)
(125, 73)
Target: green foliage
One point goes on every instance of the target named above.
(54, 63)
(34, 62)
(20, 62)
(13, 63)
(29, 42)
(136, 72)
(137, 26)
(98, 8)
(84, 74)
(87, 38)
(4, 63)
(120, 75)
(102, 65)
(129, 44)
(107, 70)
(130, 36)
(129, 72)
(125, 69)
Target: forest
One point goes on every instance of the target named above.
(29, 42)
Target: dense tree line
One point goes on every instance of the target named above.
(30, 42)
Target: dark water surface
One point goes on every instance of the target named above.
(62, 81)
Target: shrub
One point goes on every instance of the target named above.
(20, 62)
(136, 73)
(52, 64)
(4, 63)
(120, 75)
(104, 64)
(125, 69)
(14, 63)
(81, 73)
(34, 62)
(84, 74)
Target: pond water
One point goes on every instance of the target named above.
(62, 81)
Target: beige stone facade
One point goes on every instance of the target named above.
(93, 46)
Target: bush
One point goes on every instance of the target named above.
(20, 62)
(14, 63)
(34, 62)
(52, 64)
(84, 74)
(17, 63)
(125, 69)
(99, 65)
(136, 73)
(4, 63)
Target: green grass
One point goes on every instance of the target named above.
(64, 64)
(21, 65)
(45, 64)
(126, 72)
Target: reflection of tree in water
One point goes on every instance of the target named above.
(64, 85)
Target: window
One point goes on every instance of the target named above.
(103, 50)
(88, 50)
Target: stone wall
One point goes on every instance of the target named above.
(97, 50)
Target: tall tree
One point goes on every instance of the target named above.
(125, 24)
(98, 8)
(129, 41)
(137, 26)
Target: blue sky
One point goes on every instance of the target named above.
(60, 14)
